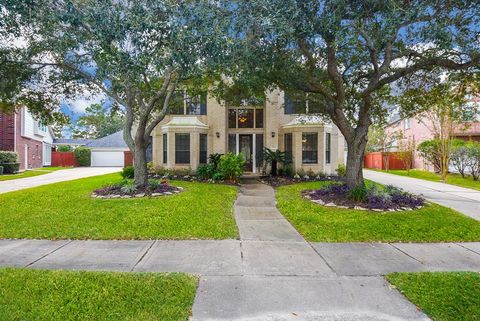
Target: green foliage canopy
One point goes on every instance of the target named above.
(98, 122)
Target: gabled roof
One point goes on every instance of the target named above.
(114, 140)
(306, 120)
(191, 122)
(69, 141)
(185, 122)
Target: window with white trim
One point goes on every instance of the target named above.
(309, 148)
(182, 148)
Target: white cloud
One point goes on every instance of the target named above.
(80, 104)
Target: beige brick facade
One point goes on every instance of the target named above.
(276, 123)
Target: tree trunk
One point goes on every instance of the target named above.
(274, 168)
(140, 164)
(355, 154)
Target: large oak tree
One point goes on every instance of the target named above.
(137, 53)
(350, 55)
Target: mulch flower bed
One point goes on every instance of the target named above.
(276, 181)
(376, 199)
(191, 178)
(128, 191)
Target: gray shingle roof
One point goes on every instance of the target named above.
(68, 141)
(111, 141)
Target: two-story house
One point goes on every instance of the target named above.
(22, 133)
(420, 128)
(200, 126)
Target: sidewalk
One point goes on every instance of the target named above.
(464, 200)
(54, 177)
(271, 273)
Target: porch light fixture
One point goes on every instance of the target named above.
(273, 134)
(217, 134)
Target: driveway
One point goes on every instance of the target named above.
(464, 200)
(55, 177)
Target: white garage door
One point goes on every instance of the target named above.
(104, 158)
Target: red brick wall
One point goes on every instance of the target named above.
(7, 132)
(33, 152)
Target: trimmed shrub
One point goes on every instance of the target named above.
(150, 168)
(289, 170)
(1, 170)
(429, 150)
(82, 156)
(358, 194)
(474, 159)
(459, 157)
(128, 172)
(206, 171)
(64, 148)
(341, 170)
(10, 168)
(214, 159)
(8, 157)
(231, 167)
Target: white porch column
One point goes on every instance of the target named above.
(254, 147)
(237, 144)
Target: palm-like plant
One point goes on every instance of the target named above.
(274, 157)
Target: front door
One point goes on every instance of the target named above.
(246, 150)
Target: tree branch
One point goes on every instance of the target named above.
(163, 112)
(129, 119)
(334, 74)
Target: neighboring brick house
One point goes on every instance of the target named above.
(419, 129)
(201, 126)
(21, 133)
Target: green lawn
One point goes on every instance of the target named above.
(31, 173)
(452, 179)
(94, 296)
(66, 211)
(432, 223)
(443, 296)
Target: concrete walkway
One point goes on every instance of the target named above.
(271, 273)
(263, 280)
(464, 200)
(54, 177)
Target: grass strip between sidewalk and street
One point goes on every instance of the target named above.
(443, 296)
(94, 296)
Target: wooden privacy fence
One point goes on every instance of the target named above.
(127, 158)
(380, 160)
(63, 159)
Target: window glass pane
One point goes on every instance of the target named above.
(245, 118)
(177, 103)
(295, 105)
(258, 118)
(309, 148)
(232, 118)
(300, 106)
(314, 107)
(197, 105)
(165, 144)
(203, 148)
(328, 143)
(232, 143)
(288, 148)
(182, 148)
